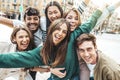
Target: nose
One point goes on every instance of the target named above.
(86, 53)
(53, 15)
(73, 20)
(24, 39)
(60, 32)
(32, 21)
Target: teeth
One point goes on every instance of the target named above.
(57, 38)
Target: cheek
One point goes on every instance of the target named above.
(64, 35)
(48, 16)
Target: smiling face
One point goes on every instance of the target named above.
(22, 40)
(32, 22)
(73, 18)
(87, 51)
(53, 13)
(59, 34)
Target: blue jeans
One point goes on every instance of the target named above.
(91, 78)
(75, 78)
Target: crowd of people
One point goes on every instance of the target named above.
(61, 45)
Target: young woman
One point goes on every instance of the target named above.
(22, 40)
(58, 50)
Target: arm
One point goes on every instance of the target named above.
(6, 21)
(21, 59)
(106, 13)
(10, 23)
(57, 72)
(84, 71)
(87, 26)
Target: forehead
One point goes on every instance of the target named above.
(85, 44)
(64, 26)
(53, 8)
(20, 32)
(73, 13)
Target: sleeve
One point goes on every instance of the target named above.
(21, 59)
(17, 23)
(84, 71)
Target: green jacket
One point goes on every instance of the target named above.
(32, 58)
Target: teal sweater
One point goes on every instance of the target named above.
(32, 58)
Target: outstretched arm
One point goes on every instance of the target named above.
(10, 22)
(6, 21)
(107, 12)
(21, 59)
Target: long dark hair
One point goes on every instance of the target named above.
(54, 3)
(51, 54)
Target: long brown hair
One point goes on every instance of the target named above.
(51, 54)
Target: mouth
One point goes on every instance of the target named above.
(24, 44)
(57, 38)
(87, 59)
(32, 26)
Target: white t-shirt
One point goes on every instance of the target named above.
(91, 68)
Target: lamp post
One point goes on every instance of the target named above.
(21, 10)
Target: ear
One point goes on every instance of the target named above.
(14, 41)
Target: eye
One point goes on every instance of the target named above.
(20, 37)
(50, 13)
(58, 28)
(28, 18)
(89, 49)
(81, 50)
(65, 31)
(76, 18)
(55, 12)
(36, 18)
(69, 17)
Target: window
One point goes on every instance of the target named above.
(14, 0)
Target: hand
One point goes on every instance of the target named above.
(100, 4)
(40, 69)
(57, 72)
(17, 23)
(86, 1)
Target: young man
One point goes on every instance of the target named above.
(100, 66)
(32, 20)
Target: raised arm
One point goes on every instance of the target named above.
(6, 21)
(107, 12)
(10, 22)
